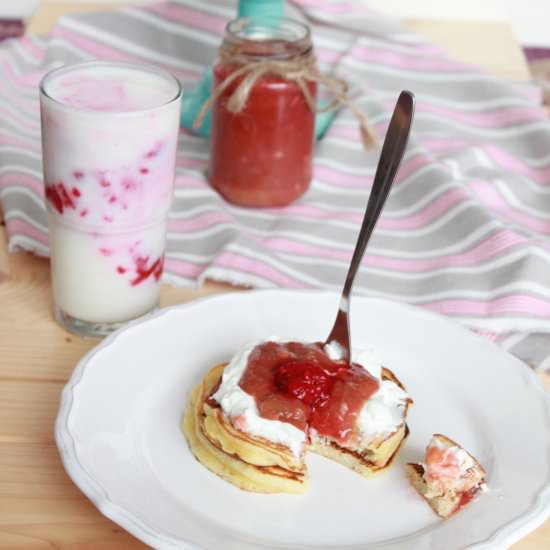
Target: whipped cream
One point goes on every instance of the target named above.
(334, 350)
(381, 415)
(463, 459)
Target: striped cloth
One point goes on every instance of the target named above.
(465, 231)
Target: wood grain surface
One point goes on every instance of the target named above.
(39, 506)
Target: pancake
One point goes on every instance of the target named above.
(256, 464)
(252, 464)
(447, 484)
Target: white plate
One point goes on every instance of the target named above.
(118, 431)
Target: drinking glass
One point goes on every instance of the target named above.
(109, 139)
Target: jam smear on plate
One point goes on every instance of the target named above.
(300, 384)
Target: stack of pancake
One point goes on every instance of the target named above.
(256, 464)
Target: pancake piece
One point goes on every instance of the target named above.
(450, 477)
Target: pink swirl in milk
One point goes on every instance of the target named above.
(125, 197)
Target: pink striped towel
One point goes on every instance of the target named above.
(466, 231)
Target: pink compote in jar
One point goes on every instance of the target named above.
(262, 156)
(109, 139)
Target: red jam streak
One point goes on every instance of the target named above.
(299, 384)
(262, 156)
(154, 151)
(144, 270)
(467, 497)
(129, 184)
(60, 198)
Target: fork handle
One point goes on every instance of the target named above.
(392, 153)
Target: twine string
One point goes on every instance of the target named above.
(300, 70)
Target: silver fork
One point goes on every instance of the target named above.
(393, 149)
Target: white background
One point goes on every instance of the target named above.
(530, 19)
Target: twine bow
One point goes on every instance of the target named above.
(299, 70)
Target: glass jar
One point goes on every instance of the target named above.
(262, 155)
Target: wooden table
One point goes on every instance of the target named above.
(39, 505)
